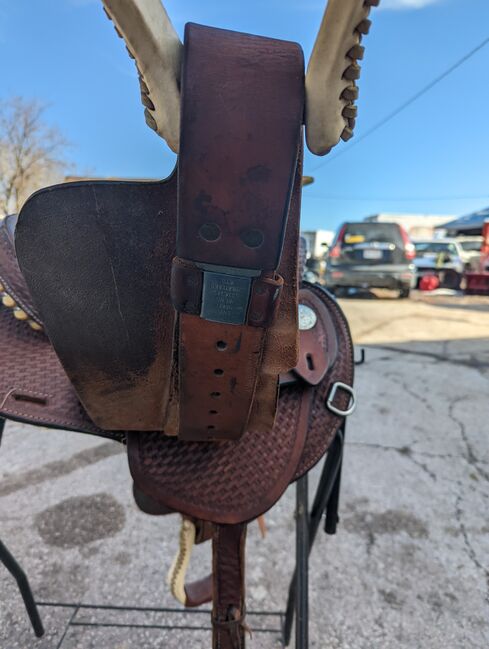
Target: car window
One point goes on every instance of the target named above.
(471, 246)
(361, 233)
(433, 247)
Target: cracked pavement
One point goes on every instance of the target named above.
(408, 568)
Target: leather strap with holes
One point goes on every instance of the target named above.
(242, 106)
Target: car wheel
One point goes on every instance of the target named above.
(404, 292)
(452, 280)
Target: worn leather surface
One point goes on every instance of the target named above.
(228, 569)
(319, 344)
(109, 316)
(101, 286)
(21, 345)
(32, 371)
(239, 149)
(238, 481)
(198, 592)
(33, 385)
(238, 146)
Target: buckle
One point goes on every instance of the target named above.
(351, 404)
(226, 293)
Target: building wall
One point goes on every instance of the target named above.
(318, 241)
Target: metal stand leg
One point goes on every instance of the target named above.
(19, 575)
(326, 499)
(25, 590)
(302, 564)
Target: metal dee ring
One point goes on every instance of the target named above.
(351, 405)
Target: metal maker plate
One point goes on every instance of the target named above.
(225, 298)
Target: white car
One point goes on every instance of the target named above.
(470, 251)
(440, 257)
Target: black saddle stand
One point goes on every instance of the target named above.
(19, 575)
(325, 503)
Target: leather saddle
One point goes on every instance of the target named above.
(169, 315)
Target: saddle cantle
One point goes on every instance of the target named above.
(164, 313)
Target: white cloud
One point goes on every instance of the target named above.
(407, 4)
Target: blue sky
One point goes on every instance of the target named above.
(432, 158)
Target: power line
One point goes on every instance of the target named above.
(406, 103)
(394, 199)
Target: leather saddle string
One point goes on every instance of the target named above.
(228, 611)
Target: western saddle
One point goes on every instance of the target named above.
(170, 316)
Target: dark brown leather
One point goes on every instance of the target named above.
(33, 386)
(12, 281)
(101, 287)
(30, 369)
(228, 610)
(233, 211)
(242, 107)
(199, 592)
(216, 386)
(148, 505)
(319, 345)
(226, 482)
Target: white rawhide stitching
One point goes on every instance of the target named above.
(153, 42)
(330, 81)
(176, 575)
(332, 72)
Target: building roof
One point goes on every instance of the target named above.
(469, 221)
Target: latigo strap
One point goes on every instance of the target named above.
(242, 104)
(228, 610)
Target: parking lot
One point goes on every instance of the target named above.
(408, 568)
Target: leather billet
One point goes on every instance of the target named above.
(242, 106)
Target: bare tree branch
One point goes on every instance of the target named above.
(32, 154)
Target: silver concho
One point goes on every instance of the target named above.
(307, 317)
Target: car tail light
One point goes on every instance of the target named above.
(337, 274)
(336, 249)
(409, 249)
